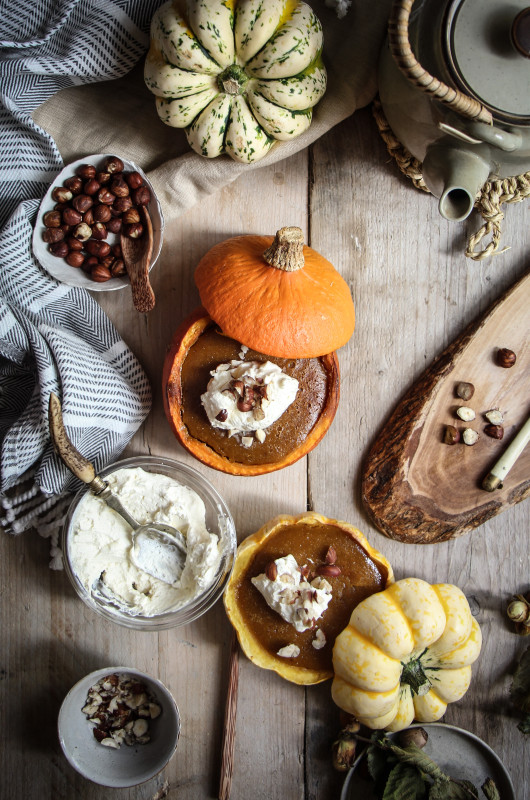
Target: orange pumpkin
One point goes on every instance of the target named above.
(277, 296)
(185, 337)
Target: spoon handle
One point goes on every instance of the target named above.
(76, 463)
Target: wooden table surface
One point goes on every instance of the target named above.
(414, 291)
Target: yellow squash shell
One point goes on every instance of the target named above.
(406, 653)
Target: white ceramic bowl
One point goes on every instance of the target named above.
(129, 765)
(57, 267)
(218, 521)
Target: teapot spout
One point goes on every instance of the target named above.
(454, 175)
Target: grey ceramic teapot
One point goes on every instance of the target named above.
(454, 84)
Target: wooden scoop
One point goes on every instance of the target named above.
(137, 258)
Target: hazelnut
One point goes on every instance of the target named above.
(465, 413)
(52, 219)
(75, 184)
(134, 179)
(114, 164)
(505, 358)
(134, 231)
(89, 264)
(103, 177)
(82, 203)
(86, 171)
(131, 216)
(52, 235)
(100, 274)
(61, 194)
(114, 225)
(451, 435)
(495, 431)
(65, 229)
(464, 390)
(59, 249)
(141, 196)
(91, 186)
(83, 232)
(331, 555)
(101, 213)
(494, 416)
(75, 259)
(119, 187)
(106, 197)
(71, 216)
(328, 570)
(271, 571)
(88, 217)
(121, 204)
(118, 268)
(97, 248)
(469, 436)
(74, 244)
(107, 261)
(116, 250)
(99, 231)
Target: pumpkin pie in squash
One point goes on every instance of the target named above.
(293, 588)
(251, 378)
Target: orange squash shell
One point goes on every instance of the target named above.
(246, 551)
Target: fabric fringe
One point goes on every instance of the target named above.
(25, 507)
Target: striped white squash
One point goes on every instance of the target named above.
(238, 75)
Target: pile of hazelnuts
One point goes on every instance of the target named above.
(90, 205)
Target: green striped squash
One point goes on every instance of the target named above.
(238, 75)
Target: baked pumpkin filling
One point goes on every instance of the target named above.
(280, 438)
(355, 576)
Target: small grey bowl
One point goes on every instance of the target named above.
(129, 765)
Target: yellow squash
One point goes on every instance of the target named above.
(405, 654)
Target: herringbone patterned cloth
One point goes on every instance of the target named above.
(53, 337)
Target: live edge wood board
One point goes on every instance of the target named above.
(418, 489)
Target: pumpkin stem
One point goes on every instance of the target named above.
(232, 80)
(414, 675)
(287, 250)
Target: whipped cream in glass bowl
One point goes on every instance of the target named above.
(98, 546)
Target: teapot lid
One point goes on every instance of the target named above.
(487, 46)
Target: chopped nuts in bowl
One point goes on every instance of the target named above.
(118, 727)
(77, 231)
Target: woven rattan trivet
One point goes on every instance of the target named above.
(488, 201)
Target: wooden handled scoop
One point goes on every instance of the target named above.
(137, 258)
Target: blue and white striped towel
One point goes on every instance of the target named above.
(53, 337)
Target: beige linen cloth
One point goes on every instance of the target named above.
(120, 116)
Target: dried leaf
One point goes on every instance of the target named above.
(490, 790)
(452, 790)
(404, 783)
(380, 763)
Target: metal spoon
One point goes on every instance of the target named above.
(158, 549)
(136, 255)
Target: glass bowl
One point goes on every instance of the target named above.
(218, 521)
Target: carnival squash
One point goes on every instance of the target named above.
(237, 75)
(357, 571)
(406, 653)
(276, 295)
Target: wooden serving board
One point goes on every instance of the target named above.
(418, 489)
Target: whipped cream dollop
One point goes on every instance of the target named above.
(100, 543)
(295, 599)
(248, 396)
